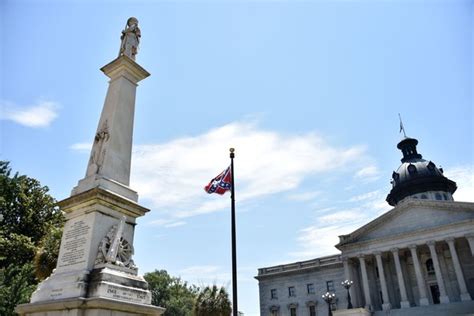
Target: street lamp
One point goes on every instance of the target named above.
(329, 297)
(347, 285)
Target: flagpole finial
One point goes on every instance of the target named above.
(232, 155)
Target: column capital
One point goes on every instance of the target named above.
(344, 258)
(412, 246)
(470, 235)
(361, 256)
(449, 239)
(394, 250)
(431, 242)
(377, 253)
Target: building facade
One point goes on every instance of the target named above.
(415, 259)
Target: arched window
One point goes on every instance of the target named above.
(275, 310)
(438, 196)
(424, 197)
(430, 267)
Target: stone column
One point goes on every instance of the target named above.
(443, 298)
(348, 276)
(111, 154)
(470, 239)
(457, 268)
(401, 283)
(419, 276)
(386, 302)
(365, 282)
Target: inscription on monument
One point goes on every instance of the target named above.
(75, 239)
(56, 293)
(125, 294)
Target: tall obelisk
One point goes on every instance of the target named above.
(95, 274)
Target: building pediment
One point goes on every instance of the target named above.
(409, 217)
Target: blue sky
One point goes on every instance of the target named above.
(308, 92)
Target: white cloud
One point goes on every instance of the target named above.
(81, 147)
(41, 114)
(464, 178)
(319, 239)
(338, 217)
(368, 174)
(329, 223)
(364, 196)
(172, 175)
(304, 196)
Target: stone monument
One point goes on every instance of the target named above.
(95, 274)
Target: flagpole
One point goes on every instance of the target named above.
(235, 310)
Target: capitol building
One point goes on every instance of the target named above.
(415, 259)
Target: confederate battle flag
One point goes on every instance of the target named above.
(221, 183)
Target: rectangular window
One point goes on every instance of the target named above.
(274, 313)
(330, 286)
(273, 294)
(310, 288)
(291, 291)
(312, 310)
(293, 311)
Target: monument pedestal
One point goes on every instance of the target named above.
(84, 277)
(95, 306)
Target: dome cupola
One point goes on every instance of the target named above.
(417, 177)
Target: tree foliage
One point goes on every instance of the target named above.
(212, 301)
(47, 252)
(17, 283)
(30, 226)
(171, 293)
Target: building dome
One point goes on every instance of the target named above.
(417, 177)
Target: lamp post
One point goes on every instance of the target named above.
(347, 285)
(329, 297)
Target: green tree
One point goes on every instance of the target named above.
(17, 283)
(46, 256)
(30, 225)
(212, 301)
(171, 293)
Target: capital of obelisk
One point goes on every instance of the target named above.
(95, 273)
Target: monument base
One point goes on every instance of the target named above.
(98, 181)
(108, 283)
(61, 286)
(352, 312)
(96, 306)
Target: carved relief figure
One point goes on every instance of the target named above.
(130, 39)
(115, 249)
(98, 150)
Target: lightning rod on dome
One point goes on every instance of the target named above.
(402, 128)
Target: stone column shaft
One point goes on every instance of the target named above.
(110, 159)
(365, 282)
(348, 276)
(439, 277)
(470, 240)
(419, 276)
(401, 283)
(457, 268)
(386, 302)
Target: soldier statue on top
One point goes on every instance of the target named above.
(130, 39)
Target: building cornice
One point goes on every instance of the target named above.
(299, 267)
(401, 207)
